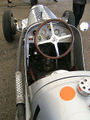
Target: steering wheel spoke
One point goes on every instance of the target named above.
(44, 42)
(65, 39)
(52, 28)
(57, 49)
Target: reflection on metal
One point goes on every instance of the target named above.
(22, 24)
(84, 26)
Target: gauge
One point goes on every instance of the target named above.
(43, 31)
(56, 31)
(48, 37)
(39, 38)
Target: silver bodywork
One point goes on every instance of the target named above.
(40, 13)
(37, 14)
(44, 95)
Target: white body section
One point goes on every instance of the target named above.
(45, 93)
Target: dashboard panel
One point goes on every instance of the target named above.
(45, 32)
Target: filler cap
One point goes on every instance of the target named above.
(84, 87)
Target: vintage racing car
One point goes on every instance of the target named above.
(52, 84)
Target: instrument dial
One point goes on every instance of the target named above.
(56, 31)
(43, 32)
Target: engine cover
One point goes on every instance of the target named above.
(56, 97)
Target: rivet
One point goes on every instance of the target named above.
(84, 87)
(85, 80)
(82, 82)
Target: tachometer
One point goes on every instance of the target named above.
(43, 32)
(56, 31)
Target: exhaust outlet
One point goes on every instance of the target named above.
(19, 88)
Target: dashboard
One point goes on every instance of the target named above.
(45, 32)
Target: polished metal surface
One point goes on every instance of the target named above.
(40, 13)
(19, 88)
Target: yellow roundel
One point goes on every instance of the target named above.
(67, 93)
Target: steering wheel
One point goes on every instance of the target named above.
(54, 39)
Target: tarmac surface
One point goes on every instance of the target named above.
(8, 52)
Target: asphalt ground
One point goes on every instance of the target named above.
(8, 52)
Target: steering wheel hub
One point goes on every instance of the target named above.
(54, 39)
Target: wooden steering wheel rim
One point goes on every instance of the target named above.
(70, 46)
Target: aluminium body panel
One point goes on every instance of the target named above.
(40, 13)
(45, 93)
